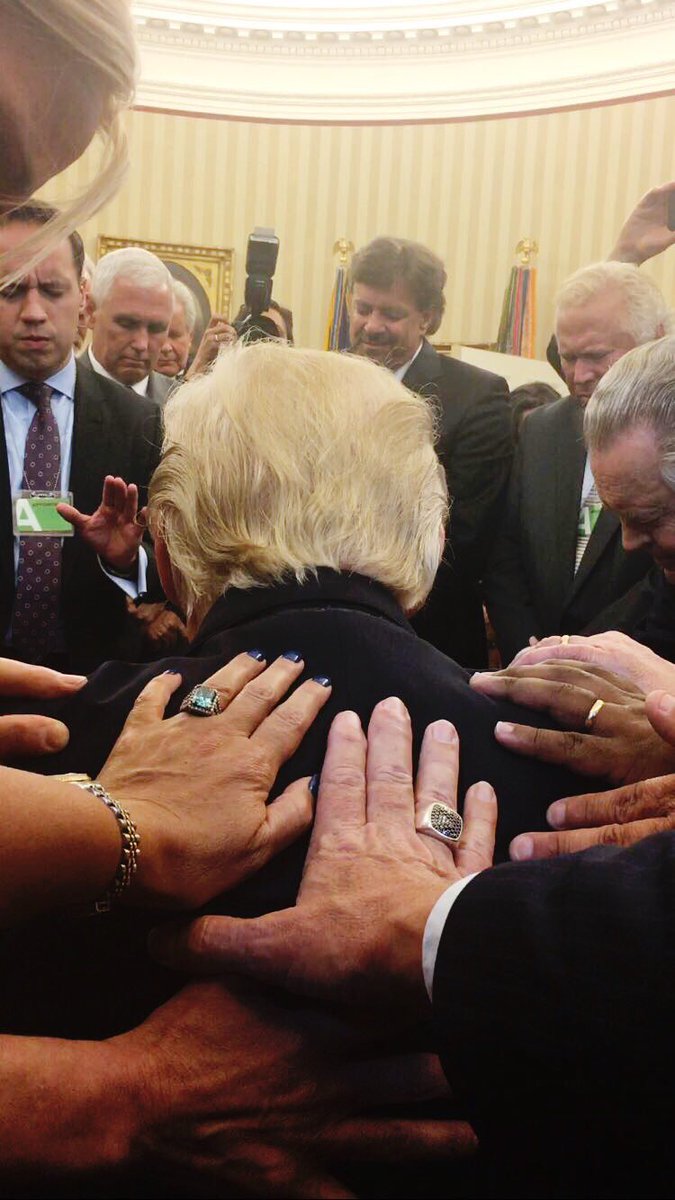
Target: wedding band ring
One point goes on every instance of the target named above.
(565, 639)
(593, 711)
(441, 822)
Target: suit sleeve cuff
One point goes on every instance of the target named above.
(133, 588)
(435, 926)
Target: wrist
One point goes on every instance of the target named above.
(627, 254)
(90, 1124)
(123, 565)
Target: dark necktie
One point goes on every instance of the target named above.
(38, 580)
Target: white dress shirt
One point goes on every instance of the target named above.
(140, 388)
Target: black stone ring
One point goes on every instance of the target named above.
(441, 822)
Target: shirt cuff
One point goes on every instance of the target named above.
(133, 588)
(435, 926)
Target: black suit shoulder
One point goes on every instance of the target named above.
(553, 997)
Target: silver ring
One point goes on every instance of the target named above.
(441, 822)
(202, 701)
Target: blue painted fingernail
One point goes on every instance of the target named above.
(313, 785)
(257, 655)
(292, 656)
(324, 680)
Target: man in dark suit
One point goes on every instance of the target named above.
(64, 429)
(130, 304)
(396, 300)
(558, 562)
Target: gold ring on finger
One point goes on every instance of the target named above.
(593, 711)
(565, 639)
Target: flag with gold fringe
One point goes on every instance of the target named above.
(337, 329)
(518, 324)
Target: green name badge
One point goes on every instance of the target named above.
(35, 514)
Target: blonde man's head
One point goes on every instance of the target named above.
(279, 461)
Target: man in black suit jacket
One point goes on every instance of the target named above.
(552, 570)
(396, 299)
(102, 431)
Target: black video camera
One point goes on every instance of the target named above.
(261, 260)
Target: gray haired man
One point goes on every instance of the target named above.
(130, 306)
(558, 565)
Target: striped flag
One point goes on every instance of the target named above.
(337, 329)
(518, 324)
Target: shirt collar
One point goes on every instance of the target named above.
(62, 381)
(400, 371)
(140, 388)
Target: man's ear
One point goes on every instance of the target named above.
(89, 309)
(165, 571)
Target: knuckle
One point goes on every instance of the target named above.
(261, 692)
(613, 835)
(393, 775)
(344, 776)
(290, 717)
(198, 940)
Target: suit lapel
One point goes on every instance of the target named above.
(91, 435)
(6, 537)
(569, 476)
(606, 527)
(422, 374)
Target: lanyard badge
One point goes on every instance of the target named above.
(34, 514)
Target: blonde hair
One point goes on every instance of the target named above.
(101, 33)
(279, 461)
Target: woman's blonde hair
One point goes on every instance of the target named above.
(279, 461)
(100, 33)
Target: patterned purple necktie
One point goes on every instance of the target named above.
(35, 622)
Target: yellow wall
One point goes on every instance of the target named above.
(469, 190)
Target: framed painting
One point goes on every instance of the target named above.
(206, 270)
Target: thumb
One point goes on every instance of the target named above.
(264, 948)
(660, 708)
(77, 519)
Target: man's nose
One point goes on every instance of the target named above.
(584, 371)
(32, 309)
(374, 323)
(634, 539)
(140, 341)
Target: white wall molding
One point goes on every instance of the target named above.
(279, 64)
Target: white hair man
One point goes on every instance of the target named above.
(558, 565)
(129, 307)
(175, 350)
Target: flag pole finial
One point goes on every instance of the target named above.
(343, 248)
(527, 249)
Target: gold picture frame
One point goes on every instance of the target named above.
(206, 270)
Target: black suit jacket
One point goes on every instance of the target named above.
(114, 434)
(530, 585)
(95, 976)
(553, 1000)
(475, 447)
